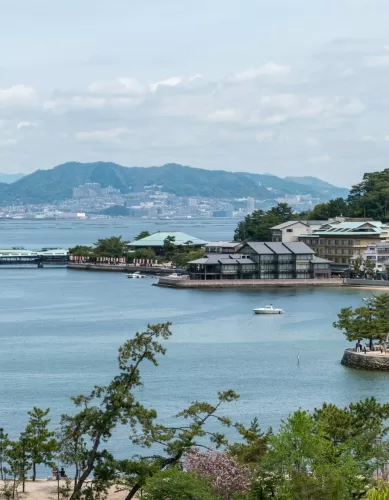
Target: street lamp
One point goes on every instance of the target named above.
(22, 439)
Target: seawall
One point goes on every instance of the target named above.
(120, 268)
(361, 361)
(208, 284)
(366, 283)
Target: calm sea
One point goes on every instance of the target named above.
(60, 331)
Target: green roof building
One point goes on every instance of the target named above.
(156, 241)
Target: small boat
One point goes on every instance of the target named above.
(178, 276)
(268, 310)
(136, 275)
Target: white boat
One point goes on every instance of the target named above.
(178, 276)
(268, 310)
(136, 275)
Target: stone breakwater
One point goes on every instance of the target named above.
(370, 361)
(207, 284)
(120, 268)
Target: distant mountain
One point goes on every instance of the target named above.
(45, 186)
(320, 186)
(8, 178)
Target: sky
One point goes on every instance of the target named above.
(288, 87)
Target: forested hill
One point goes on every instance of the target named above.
(56, 184)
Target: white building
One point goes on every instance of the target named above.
(291, 230)
(379, 253)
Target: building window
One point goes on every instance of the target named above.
(321, 242)
(344, 243)
(344, 261)
(357, 251)
(357, 242)
(350, 243)
(336, 242)
(289, 230)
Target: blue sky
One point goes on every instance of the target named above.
(290, 87)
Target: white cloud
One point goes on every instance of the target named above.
(223, 115)
(18, 95)
(169, 82)
(320, 159)
(368, 138)
(265, 136)
(269, 70)
(21, 125)
(7, 142)
(381, 61)
(108, 135)
(275, 119)
(123, 85)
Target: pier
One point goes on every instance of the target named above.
(262, 283)
(52, 257)
(122, 268)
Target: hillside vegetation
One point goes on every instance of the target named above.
(57, 184)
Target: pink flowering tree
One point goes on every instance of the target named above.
(226, 476)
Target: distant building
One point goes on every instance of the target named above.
(156, 241)
(222, 213)
(258, 260)
(342, 241)
(379, 254)
(88, 190)
(292, 230)
(223, 246)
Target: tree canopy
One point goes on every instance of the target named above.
(256, 226)
(368, 321)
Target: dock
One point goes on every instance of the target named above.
(122, 268)
(52, 257)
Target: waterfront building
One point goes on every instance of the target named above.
(156, 241)
(379, 254)
(223, 247)
(291, 230)
(262, 260)
(342, 241)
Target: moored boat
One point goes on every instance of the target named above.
(268, 310)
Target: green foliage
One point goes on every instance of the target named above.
(253, 448)
(256, 226)
(141, 235)
(334, 208)
(369, 198)
(82, 251)
(56, 184)
(303, 463)
(4, 445)
(182, 255)
(381, 492)
(370, 321)
(176, 484)
(40, 442)
(116, 211)
(111, 247)
(142, 253)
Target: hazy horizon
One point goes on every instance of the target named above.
(283, 86)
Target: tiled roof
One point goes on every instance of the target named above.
(217, 258)
(289, 223)
(157, 239)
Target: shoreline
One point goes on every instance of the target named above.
(43, 489)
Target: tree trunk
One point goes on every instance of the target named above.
(84, 476)
(33, 471)
(133, 492)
